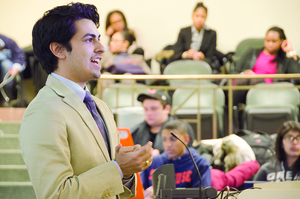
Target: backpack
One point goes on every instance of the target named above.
(261, 143)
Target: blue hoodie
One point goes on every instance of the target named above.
(185, 172)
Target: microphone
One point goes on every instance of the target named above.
(208, 192)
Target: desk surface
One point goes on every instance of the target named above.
(269, 193)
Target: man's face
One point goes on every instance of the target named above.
(155, 114)
(82, 64)
(173, 147)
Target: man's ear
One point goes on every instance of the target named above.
(186, 139)
(168, 108)
(58, 50)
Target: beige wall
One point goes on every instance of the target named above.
(161, 20)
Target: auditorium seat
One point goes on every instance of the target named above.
(126, 140)
(185, 106)
(269, 105)
(120, 95)
(187, 67)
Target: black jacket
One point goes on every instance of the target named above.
(247, 61)
(208, 46)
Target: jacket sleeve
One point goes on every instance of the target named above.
(293, 66)
(204, 169)
(234, 177)
(179, 46)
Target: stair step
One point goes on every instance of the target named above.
(9, 141)
(16, 190)
(14, 173)
(10, 127)
(11, 157)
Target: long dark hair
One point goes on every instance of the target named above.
(280, 56)
(107, 24)
(200, 5)
(280, 154)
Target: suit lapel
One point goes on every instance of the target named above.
(204, 40)
(70, 98)
(189, 37)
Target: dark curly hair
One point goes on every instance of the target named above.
(57, 25)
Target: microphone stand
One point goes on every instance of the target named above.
(207, 193)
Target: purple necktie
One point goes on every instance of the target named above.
(90, 104)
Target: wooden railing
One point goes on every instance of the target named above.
(229, 87)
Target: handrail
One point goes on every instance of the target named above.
(228, 87)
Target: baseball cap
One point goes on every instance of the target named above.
(155, 94)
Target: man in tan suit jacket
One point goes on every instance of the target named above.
(62, 146)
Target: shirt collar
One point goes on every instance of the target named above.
(204, 27)
(72, 85)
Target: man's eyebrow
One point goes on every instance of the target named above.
(91, 35)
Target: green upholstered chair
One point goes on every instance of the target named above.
(120, 95)
(269, 105)
(211, 100)
(187, 67)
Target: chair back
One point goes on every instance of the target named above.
(269, 105)
(245, 45)
(187, 67)
(211, 100)
(126, 140)
(118, 95)
(130, 116)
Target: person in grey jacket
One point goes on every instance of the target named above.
(286, 167)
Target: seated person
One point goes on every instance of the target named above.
(116, 22)
(196, 42)
(277, 56)
(176, 153)
(12, 60)
(287, 147)
(157, 107)
(118, 61)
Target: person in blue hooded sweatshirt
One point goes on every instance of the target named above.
(176, 153)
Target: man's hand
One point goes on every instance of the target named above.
(14, 70)
(134, 159)
(148, 193)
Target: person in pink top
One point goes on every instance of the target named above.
(277, 57)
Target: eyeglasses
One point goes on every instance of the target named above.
(291, 138)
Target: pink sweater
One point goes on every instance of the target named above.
(264, 65)
(234, 177)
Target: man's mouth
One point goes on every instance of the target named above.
(96, 61)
